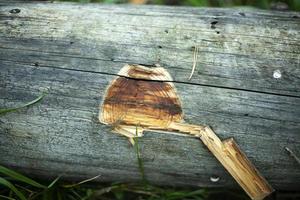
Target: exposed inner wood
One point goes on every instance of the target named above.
(132, 106)
(149, 104)
(232, 158)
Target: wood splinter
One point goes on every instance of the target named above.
(148, 99)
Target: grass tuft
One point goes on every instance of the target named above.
(20, 177)
(8, 184)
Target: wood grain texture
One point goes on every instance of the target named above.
(237, 164)
(232, 158)
(74, 51)
(238, 48)
(134, 103)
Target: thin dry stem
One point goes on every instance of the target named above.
(292, 154)
(81, 182)
(196, 50)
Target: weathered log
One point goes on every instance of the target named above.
(73, 51)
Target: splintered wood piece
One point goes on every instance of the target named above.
(243, 171)
(232, 158)
(141, 99)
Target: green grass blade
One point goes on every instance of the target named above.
(199, 194)
(88, 194)
(59, 195)
(7, 110)
(70, 197)
(53, 182)
(4, 197)
(76, 194)
(20, 177)
(139, 159)
(12, 187)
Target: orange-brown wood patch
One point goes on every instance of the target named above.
(136, 105)
(146, 103)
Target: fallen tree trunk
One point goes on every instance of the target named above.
(245, 85)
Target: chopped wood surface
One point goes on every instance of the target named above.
(246, 85)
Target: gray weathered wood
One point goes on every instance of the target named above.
(62, 134)
(74, 51)
(242, 50)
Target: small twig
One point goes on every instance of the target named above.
(102, 191)
(292, 154)
(84, 181)
(194, 61)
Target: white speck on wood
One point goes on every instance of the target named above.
(277, 74)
